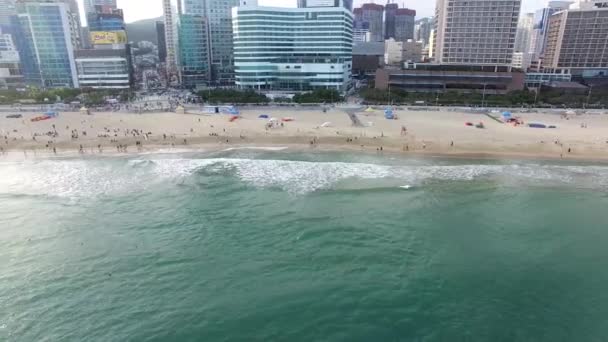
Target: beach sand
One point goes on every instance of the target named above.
(441, 133)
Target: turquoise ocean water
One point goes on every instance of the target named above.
(250, 245)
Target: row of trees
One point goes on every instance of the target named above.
(219, 96)
(319, 96)
(555, 98)
(86, 96)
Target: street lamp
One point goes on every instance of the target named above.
(537, 93)
(588, 96)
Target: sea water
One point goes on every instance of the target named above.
(253, 245)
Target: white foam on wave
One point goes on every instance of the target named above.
(257, 148)
(303, 176)
(88, 178)
(69, 178)
(296, 176)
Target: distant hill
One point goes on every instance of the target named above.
(143, 30)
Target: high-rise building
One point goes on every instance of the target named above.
(540, 26)
(107, 64)
(216, 14)
(348, 4)
(47, 44)
(524, 32)
(522, 53)
(219, 17)
(476, 32)
(299, 49)
(171, 42)
(7, 10)
(89, 5)
(399, 22)
(577, 39)
(162, 44)
(11, 76)
(422, 30)
(405, 20)
(106, 19)
(194, 54)
(373, 15)
(390, 11)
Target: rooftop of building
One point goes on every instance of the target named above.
(406, 11)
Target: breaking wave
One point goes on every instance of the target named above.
(94, 177)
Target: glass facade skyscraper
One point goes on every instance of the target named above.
(216, 14)
(219, 14)
(47, 41)
(193, 50)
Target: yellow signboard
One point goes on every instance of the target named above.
(103, 37)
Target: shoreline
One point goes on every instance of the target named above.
(26, 154)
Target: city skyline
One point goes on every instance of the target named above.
(145, 9)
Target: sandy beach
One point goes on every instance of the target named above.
(427, 132)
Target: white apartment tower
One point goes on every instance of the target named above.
(577, 38)
(292, 49)
(523, 49)
(170, 39)
(476, 32)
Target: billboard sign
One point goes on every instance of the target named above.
(107, 37)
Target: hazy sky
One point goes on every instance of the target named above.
(142, 9)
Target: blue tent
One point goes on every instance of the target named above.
(506, 115)
(51, 113)
(388, 113)
(233, 110)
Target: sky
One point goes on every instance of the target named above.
(142, 9)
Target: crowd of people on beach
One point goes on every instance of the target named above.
(120, 137)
